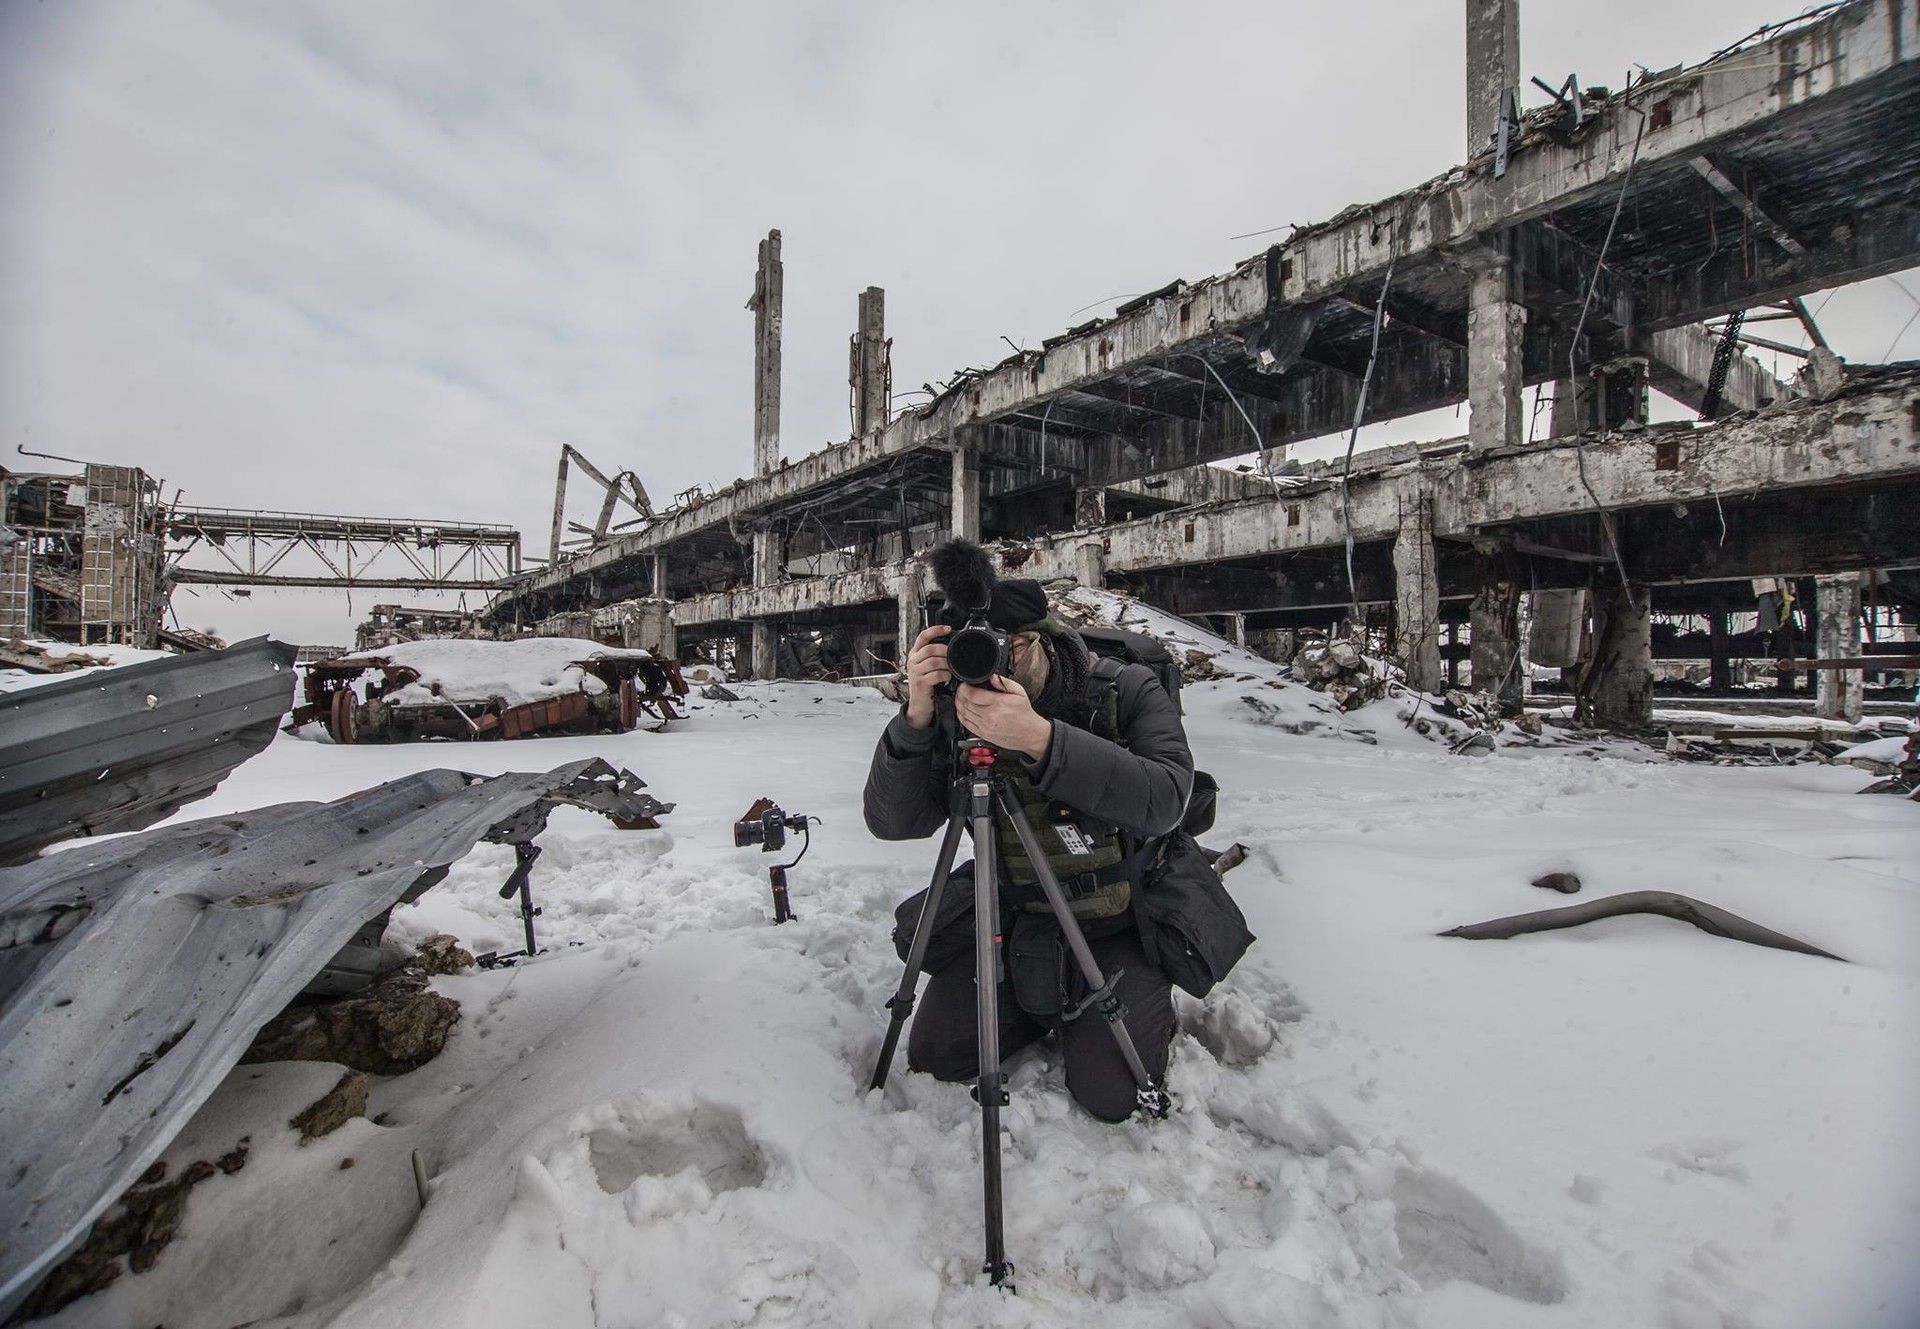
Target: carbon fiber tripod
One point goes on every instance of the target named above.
(977, 790)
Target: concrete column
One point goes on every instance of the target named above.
(766, 558)
(768, 296)
(868, 370)
(658, 571)
(1493, 65)
(1620, 695)
(1090, 563)
(1719, 661)
(1494, 621)
(1495, 324)
(766, 650)
(911, 620)
(1569, 416)
(1416, 588)
(1089, 508)
(651, 628)
(965, 519)
(1838, 693)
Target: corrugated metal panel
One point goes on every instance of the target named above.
(120, 749)
(140, 968)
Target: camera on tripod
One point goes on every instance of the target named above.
(766, 825)
(976, 651)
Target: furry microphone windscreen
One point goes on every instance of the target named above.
(964, 573)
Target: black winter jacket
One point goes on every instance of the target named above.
(1142, 787)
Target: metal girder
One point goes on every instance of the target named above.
(437, 555)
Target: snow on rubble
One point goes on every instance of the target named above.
(661, 1119)
(515, 672)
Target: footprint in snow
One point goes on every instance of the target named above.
(706, 1138)
(1709, 1158)
(1447, 1232)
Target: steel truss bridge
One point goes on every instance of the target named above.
(249, 548)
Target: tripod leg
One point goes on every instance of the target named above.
(1152, 1096)
(900, 1005)
(989, 1090)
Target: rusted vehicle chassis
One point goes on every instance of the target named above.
(636, 686)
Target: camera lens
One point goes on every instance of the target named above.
(974, 654)
(747, 833)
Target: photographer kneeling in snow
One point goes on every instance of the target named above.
(1098, 759)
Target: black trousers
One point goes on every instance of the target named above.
(944, 1039)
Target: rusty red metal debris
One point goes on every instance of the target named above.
(637, 684)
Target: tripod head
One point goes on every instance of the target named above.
(972, 752)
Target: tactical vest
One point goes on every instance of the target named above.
(1088, 856)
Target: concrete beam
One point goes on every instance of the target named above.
(1864, 437)
(1720, 176)
(1680, 363)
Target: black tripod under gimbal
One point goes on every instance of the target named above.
(977, 789)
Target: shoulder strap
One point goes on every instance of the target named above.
(1103, 698)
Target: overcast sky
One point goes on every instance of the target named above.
(385, 257)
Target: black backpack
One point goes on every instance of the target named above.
(1136, 648)
(1189, 925)
(1110, 649)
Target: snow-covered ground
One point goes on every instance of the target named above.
(661, 1120)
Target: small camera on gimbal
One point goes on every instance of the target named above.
(766, 825)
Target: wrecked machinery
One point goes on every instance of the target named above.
(397, 707)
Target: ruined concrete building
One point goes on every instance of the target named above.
(1607, 244)
(92, 556)
(82, 556)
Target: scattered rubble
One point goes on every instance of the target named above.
(1905, 777)
(1338, 669)
(335, 1108)
(129, 1237)
(33, 658)
(397, 1025)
